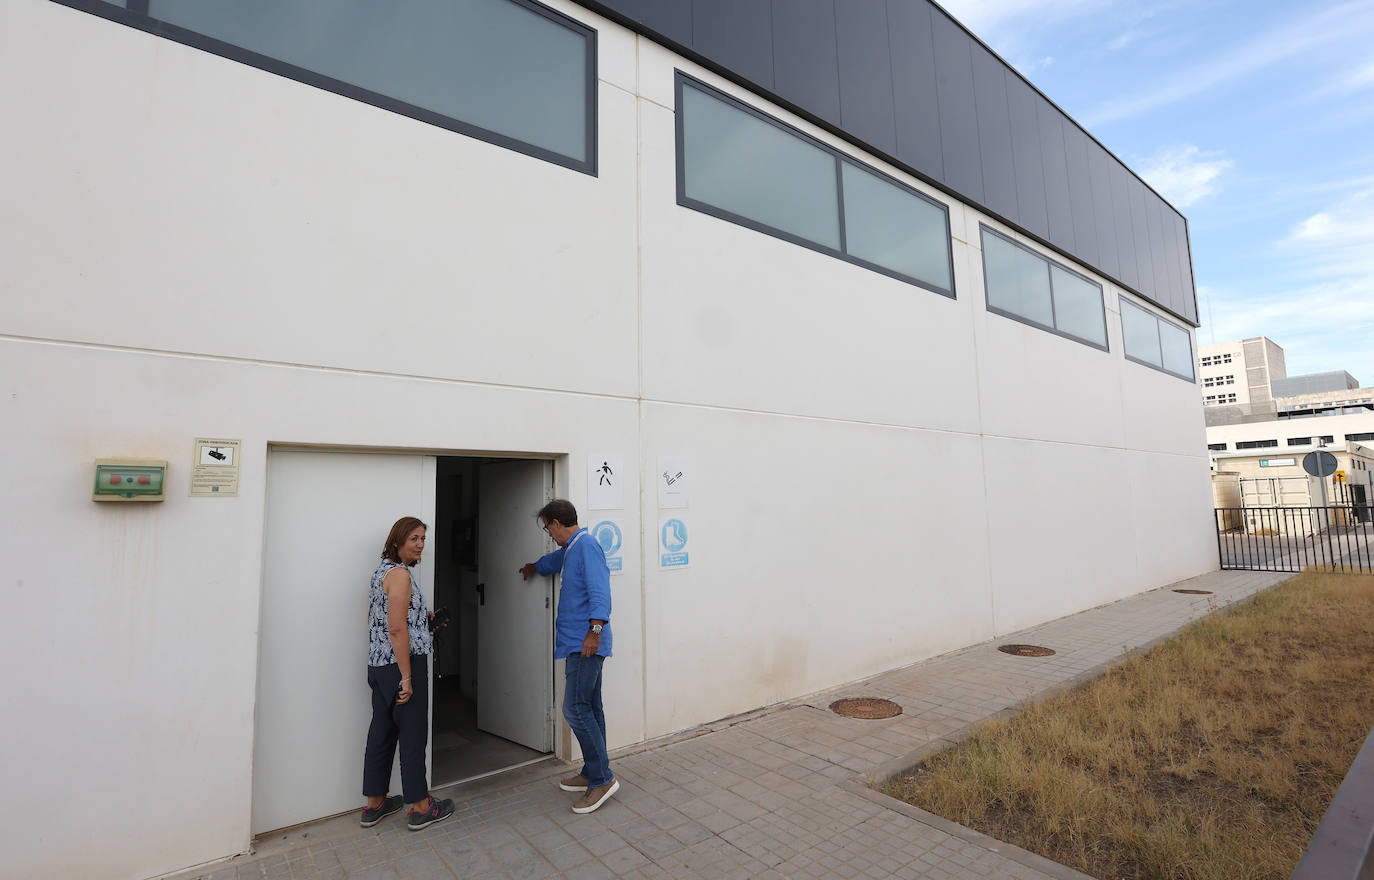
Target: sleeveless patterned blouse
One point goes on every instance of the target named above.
(379, 651)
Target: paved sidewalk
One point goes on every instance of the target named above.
(771, 795)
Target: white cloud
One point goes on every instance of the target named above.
(1294, 38)
(1349, 82)
(1323, 326)
(1324, 318)
(1122, 41)
(1183, 174)
(1029, 67)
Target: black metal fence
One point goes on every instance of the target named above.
(1294, 538)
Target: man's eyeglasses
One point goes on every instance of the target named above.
(544, 527)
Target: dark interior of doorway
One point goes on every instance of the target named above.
(460, 750)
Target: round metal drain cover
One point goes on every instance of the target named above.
(865, 707)
(1025, 650)
(1195, 592)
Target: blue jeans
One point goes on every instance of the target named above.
(582, 708)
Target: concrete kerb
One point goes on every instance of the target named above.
(1007, 851)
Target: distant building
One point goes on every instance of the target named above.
(1252, 419)
(1239, 373)
(1313, 383)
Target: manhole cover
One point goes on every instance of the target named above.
(865, 707)
(1025, 650)
(1195, 592)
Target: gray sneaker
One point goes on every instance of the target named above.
(595, 797)
(573, 783)
(372, 815)
(438, 811)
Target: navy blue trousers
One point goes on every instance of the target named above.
(406, 725)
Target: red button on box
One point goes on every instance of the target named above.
(143, 479)
(114, 479)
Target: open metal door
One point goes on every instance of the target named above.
(514, 616)
(328, 514)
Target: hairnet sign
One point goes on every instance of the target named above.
(610, 534)
(672, 542)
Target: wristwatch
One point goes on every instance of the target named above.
(596, 629)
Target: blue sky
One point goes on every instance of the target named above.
(1256, 120)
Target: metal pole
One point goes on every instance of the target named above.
(1326, 511)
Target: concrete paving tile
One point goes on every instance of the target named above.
(516, 851)
(624, 860)
(601, 842)
(568, 856)
(531, 869)
(466, 858)
(593, 870)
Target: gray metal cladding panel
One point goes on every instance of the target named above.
(1140, 224)
(958, 121)
(1027, 163)
(1087, 226)
(672, 20)
(1165, 287)
(1058, 205)
(737, 34)
(1170, 252)
(1185, 256)
(994, 132)
(806, 69)
(1100, 176)
(913, 87)
(1121, 221)
(866, 104)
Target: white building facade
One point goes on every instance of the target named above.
(1239, 373)
(873, 387)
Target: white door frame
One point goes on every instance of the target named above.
(563, 744)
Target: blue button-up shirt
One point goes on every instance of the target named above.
(585, 595)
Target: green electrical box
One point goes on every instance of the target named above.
(129, 479)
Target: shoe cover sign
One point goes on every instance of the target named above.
(610, 534)
(606, 481)
(672, 540)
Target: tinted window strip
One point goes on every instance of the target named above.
(684, 80)
(1128, 304)
(136, 16)
(1030, 322)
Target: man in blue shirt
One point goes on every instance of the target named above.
(583, 637)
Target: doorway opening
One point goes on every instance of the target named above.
(493, 684)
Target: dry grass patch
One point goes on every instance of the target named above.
(1212, 756)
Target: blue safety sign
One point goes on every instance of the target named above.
(672, 540)
(609, 535)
